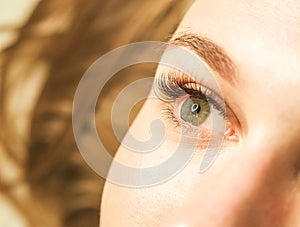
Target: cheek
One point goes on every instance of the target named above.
(149, 206)
(123, 206)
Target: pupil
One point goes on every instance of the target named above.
(195, 109)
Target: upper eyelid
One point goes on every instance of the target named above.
(161, 90)
(162, 87)
(168, 87)
(175, 80)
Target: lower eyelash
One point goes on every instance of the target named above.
(168, 114)
(174, 86)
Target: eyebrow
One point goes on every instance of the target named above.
(210, 52)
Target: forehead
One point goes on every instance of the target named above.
(263, 40)
(270, 12)
(275, 21)
(258, 35)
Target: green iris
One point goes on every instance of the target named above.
(195, 111)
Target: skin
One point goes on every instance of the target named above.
(255, 181)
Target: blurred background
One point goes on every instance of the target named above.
(45, 47)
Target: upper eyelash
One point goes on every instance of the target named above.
(172, 85)
(168, 87)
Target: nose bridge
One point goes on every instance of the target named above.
(261, 190)
(269, 160)
(263, 174)
(252, 188)
(275, 140)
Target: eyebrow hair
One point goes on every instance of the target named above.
(210, 52)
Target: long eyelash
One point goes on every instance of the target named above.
(173, 85)
(168, 114)
(168, 87)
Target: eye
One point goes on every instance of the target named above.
(194, 110)
(192, 106)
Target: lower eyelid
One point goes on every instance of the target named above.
(169, 113)
(172, 87)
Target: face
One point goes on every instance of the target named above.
(252, 50)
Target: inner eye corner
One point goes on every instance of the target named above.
(176, 90)
(231, 135)
(232, 131)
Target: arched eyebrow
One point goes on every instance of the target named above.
(210, 52)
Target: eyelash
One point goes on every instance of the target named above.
(173, 85)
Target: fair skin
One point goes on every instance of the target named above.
(255, 180)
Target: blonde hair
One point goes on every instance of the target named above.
(49, 183)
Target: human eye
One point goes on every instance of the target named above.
(188, 105)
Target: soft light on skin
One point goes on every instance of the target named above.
(257, 182)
